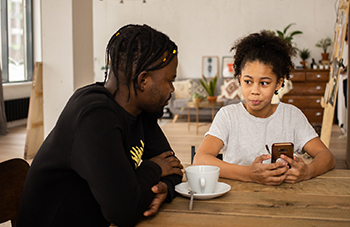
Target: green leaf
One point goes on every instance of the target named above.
(289, 39)
(285, 30)
(280, 34)
(209, 85)
(295, 33)
(204, 85)
(205, 79)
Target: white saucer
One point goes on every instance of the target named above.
(221, 188)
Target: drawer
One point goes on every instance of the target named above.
(311, 88)
(317, 76)
(303, 101)
(314, 115)
(297, 76)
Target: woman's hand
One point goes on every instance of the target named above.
(269, 174)
(299, 171)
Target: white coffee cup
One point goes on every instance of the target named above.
(202, 179)
(267, 161)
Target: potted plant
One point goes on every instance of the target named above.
(289, 37)
(209, 85)
(304, 55)
(197, 98)
(324, 44)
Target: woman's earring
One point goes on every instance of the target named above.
(276, 92)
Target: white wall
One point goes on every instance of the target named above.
(199, 27)
(62, 53)
(37, 30)
(82, 43)
(57, 58)
(17, 90)
(208, 27)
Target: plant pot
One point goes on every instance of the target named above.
(303, 63)
(197, 100)
(211, 99)
(325, 56)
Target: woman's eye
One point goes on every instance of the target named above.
(247, 82)
(264, 83)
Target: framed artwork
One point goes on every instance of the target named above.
(334, 77)
(340, 17)
(227, 67)
(342, 35)
(210, 66)
(336, 34)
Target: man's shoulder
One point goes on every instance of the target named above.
(91, 94)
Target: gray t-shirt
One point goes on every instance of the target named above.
(245, 136)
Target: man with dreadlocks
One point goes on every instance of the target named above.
(107, 160)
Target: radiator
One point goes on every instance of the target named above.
(16, 109)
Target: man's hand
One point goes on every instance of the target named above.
(168, 163)
(161, 191)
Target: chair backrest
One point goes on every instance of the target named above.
(193, 153)
(12, 176)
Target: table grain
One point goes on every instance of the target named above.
(321, 201)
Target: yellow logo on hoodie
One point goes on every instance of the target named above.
(136, 154)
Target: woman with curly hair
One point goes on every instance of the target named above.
(242, 131)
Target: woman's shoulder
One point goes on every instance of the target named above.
(289, 107)
(233, 107)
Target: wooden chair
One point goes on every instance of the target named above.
(12, 176)
(193, 153)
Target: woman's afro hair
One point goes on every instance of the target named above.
(266, 48)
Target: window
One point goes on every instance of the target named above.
(16, 40)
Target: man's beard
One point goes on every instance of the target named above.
(159, 114)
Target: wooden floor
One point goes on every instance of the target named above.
(12, 144)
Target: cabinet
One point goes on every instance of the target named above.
(308, 87)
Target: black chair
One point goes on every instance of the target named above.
(13, 173)
(193, 153)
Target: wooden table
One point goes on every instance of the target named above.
(322, 202)
(198, 105)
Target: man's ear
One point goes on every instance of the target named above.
(142, 80)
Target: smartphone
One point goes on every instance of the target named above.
(282, 148)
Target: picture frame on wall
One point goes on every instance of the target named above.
(210, 66)
(336, 68)
(227, 67)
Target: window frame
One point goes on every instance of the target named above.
(28, 42)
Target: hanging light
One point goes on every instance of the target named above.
(122, 1)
